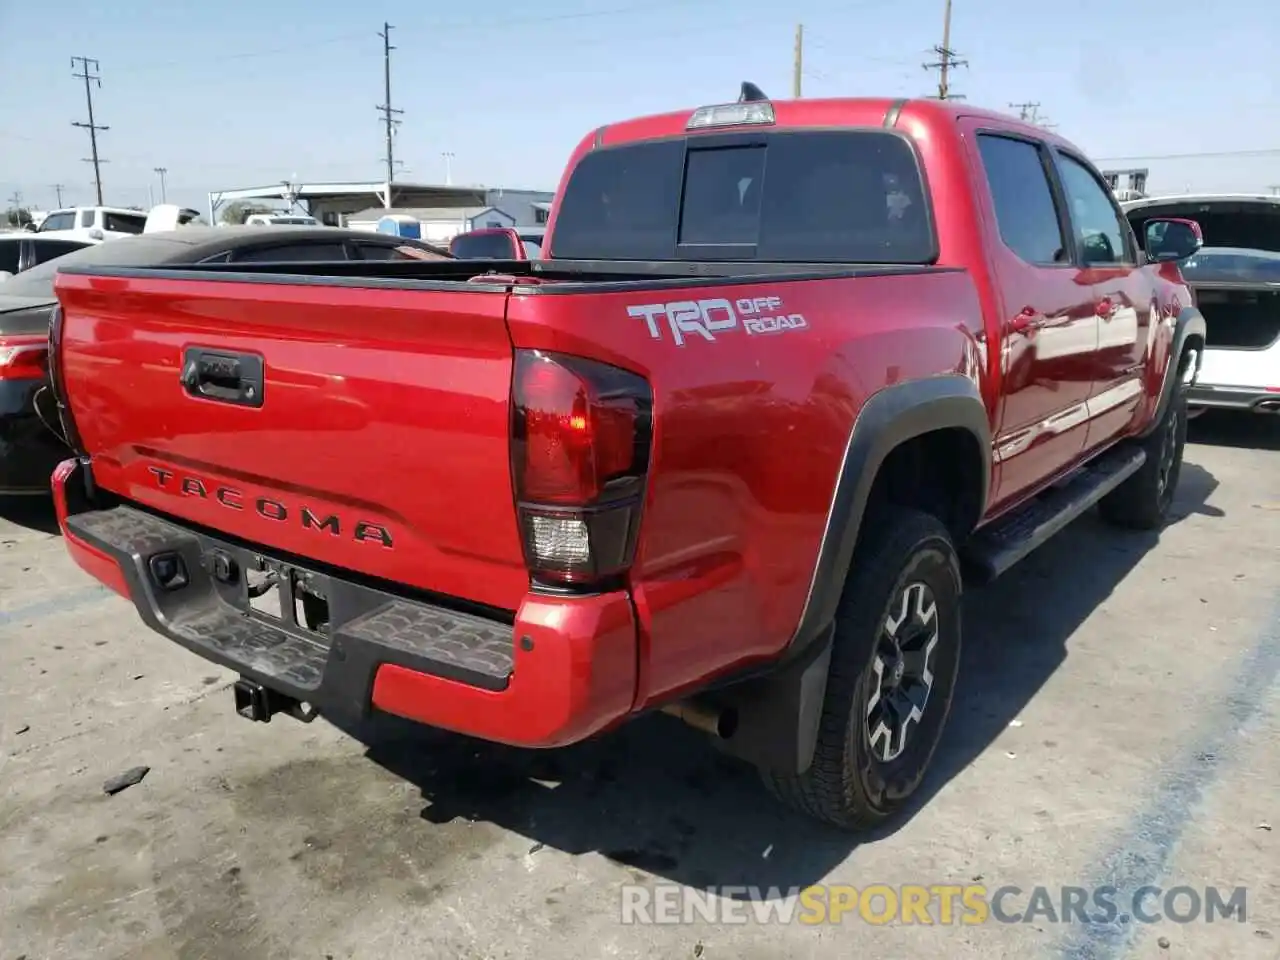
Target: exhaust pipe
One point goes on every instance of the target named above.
(721, 724)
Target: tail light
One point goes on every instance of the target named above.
(24, 357)
(58, 383)
(581, 436)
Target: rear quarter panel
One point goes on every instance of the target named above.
(749, 435)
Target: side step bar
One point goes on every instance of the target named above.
(995, 548)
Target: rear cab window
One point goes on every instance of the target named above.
(817, 196)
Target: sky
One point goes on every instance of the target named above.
(236, 94)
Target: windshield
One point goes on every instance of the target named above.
(783, 196)
(123, 252)
(1232, 265)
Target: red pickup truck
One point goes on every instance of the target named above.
(784, 371)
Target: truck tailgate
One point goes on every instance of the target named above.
(366, 428)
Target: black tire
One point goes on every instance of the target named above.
(1143, 501)
(848, 784)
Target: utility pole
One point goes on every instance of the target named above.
(15, 201)
(388, 114)
(448, 156)
(798, 69)
(89, 76)
(163, 194)
(1026, 111)
(58, 188)
(946, 59)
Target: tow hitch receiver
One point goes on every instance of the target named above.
(256, 702)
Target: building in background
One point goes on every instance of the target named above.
(335, 203)
(1128, 184)
(435, 224)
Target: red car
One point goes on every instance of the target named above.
(783, 369)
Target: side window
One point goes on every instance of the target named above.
(86, 218)
(1100, 233)
(293, 253)
(9, 255)
(59, 221)
(50, 249)
(1023, 199)
(124, 223)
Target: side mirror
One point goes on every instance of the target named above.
(1170, 239)
(96, 234)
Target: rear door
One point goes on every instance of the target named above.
(1050, 329)
(1124, 296)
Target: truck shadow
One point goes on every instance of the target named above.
(1221, 428)
(656, 798)
(32, 512)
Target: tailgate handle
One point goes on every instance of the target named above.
(224, 377)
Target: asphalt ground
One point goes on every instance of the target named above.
(1118, 726)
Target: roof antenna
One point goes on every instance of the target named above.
(751, 93)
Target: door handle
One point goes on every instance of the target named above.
(1106, 308)
(226, 377)
(1027, 319)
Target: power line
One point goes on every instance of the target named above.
(388, 113)
(1264, 152)
(89, 79)
(947, 59)
(276, 52)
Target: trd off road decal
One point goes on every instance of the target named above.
(756, 316)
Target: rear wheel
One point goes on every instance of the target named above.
(1143, 501)
(893, 670)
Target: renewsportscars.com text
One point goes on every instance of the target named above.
(930, 904)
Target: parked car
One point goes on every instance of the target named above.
(22, 251)
(1235, 279)
(28, 449)
(721, 451)
(280, 220)
(499, 243)
(93, 224)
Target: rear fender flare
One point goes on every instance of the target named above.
(779, 713)
(1190, 323)
(889, 418)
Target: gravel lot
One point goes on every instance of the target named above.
(1119, 722)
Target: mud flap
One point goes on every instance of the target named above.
(778, 716)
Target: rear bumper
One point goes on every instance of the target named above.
(561, 670)
(1253, 399)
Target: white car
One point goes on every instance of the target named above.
(280, 219)
(93, 224)
(1235, 279)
